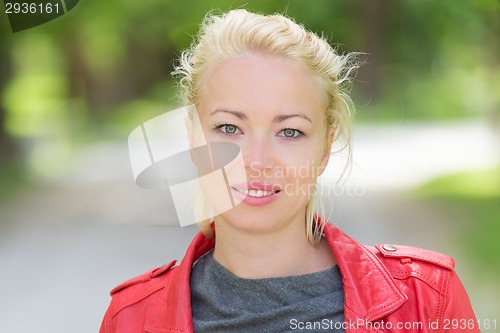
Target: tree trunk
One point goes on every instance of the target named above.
(373, 19)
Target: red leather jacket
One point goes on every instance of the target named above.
(386, 289)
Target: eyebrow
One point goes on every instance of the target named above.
(278, 119)
(284, 117)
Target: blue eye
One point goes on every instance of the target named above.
(227, 129)
(290, 133)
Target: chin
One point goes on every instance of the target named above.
(258, 220)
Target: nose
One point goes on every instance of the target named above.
(258, 153)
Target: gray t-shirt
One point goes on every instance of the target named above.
(223, 302)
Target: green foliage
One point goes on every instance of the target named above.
(12, 179)
(436, 56)
(95, 68)
(473, 201)
(438, 62)
(477, 184)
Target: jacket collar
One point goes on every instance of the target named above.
(370, 292)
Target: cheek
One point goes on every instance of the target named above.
(302, 170)
(229, 172)
(304, 162)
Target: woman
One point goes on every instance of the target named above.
(271, 264)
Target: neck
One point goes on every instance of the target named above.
(284, 252)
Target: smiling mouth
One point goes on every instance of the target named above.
(257, 193)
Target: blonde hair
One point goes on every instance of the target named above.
(240, 32)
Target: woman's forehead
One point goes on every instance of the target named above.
(260, 82)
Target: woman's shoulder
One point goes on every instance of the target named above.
(140, 287)
(406, 254)
(429, 280)
(135, 297)
(404, 262)
(144, 278)
(393, 256)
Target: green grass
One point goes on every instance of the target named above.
(12, 179)
(473, 201)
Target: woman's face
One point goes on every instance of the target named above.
(274, 110)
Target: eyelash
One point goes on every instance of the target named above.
(218, 128)
(298, 131)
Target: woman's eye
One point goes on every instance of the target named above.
(229, 129)
(290, 133)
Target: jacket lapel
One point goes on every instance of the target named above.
(370, 291)
(173, 313)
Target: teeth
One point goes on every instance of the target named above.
(256, 193)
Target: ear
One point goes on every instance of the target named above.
(326, 153)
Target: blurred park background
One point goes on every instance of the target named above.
(426, 168)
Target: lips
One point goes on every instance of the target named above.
(257, 188)
(256, 193)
